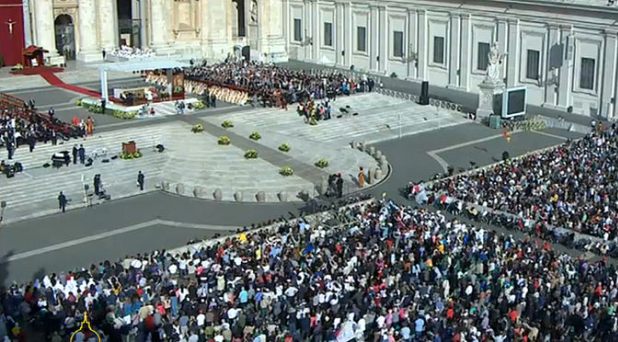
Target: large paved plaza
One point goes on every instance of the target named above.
(418, 142)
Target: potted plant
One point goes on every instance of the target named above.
(224, 140)
(322, 163)
(227, 124)
(199, 105)
(284, 148)
(255, 136)
(197, 128)
(251, 154)
(286, 171)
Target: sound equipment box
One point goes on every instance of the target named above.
(424, 98)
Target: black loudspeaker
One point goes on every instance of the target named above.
(246, 53)
(424, 99)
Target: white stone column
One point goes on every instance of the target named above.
(422, 45)
(306, 30)
(339, 26)
(503, 45)
(215, 42)
(108, 24)
(27, 23)
(608, 88)
(512, 61)
(384, 39)
(566, 68)
(88, 37)
(286, 24)
(466, 53)
(411, 48)
(349, 33)
(453, 71)
(550, 89)
(316, 28)
(158, 24)
(44, 19)
(273, 36)
(374, 46)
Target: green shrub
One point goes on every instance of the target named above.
(124, 115)
(199, 105)
(255, 136)
(251, 154)
(227, 124)
(284, 148)
(224, 140)
(286, 171)
(322, 163)
(127, 156)
(197, 128)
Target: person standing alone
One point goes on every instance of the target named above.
(62, 202)
(140, 180)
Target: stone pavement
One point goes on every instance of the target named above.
(34, 192)
(73, 74)
(379, 118)
(195, 161)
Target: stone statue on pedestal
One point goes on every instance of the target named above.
(493, 68)
(492, 85)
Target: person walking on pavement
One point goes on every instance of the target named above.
(140, 180)
(74, 154)
(82, 154)
(62, 202)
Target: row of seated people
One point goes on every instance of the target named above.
(391, 273)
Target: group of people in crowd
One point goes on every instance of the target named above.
(20, 124)
(275, 86)
(390, 273)
(572, 186)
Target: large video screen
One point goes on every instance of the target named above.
(514, 102)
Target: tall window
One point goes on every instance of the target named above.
(328, 34)
(397, 44)
(586, 74)
(482, 60)
(361, 39)
(438, 50)
(298, 36)
(532, 64)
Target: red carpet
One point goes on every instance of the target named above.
(36, 70)
(52, 79)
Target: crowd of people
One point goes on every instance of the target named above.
(572, 186)
(391, 273)
(21, 124)
(275, 86)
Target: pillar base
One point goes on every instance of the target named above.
(486, 98)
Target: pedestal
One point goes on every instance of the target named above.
(487, 90)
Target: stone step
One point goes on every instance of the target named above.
(112, 141)
(25, 190)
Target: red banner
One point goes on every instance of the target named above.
(11, 31)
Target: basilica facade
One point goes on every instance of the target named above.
(82, 29)
(564, 52)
